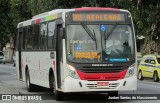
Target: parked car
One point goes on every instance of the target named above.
(149, 67)
(2, 58)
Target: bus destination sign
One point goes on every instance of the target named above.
(78, 17)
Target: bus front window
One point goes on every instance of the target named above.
(119, 44)
(83, 43)
(99, 43)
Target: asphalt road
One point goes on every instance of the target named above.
(8, 77)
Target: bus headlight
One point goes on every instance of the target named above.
(72, 72)
(130, 71)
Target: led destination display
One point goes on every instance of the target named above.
(98, 17)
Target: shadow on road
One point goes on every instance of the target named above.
(77, 97)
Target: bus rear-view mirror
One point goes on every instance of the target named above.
(62, 33)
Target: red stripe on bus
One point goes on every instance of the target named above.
(95, 9)
(54, 63)
(101, 76)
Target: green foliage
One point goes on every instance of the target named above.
(4, 22)
(40, 6)
(149, 11)
(14, 11)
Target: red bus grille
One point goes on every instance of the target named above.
(101, 76)
(102, 69)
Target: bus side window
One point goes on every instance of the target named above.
(51, 35)
(30, 38)
(25, 30)
(36, 37)
(43, 36)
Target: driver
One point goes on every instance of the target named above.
(117, 46)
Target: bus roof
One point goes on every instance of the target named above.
(95, 9)
(39, 16)
(57, 13)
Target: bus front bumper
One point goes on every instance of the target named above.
(77, 85)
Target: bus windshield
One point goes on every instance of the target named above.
(99, 43)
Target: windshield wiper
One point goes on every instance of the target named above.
(109, 33)
(92, 35)
(88, 31)
(95, 38)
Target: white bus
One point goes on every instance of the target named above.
(78, 50)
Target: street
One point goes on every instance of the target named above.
(9, 84)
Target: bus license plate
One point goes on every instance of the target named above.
(102, 84)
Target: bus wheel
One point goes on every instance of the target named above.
(51, 81)
(140, 77)
(155, 77)
(112, 94)
(59, 96)
(30, 86)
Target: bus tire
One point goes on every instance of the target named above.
(51, 80)
(59, 96)
(30, 86)
(113, 93)
(140, 76)
(155, 76)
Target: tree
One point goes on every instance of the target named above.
(145, 13)
(19, 12)
(40, 6)
(4, 22)
(149, 11)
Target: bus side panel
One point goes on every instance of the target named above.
(39, 64)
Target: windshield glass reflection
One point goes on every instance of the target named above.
(99, 43)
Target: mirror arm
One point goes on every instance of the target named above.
(62, 33)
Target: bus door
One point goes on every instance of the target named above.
(19, 48)
(59, 53)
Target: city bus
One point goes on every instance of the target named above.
(89, 49)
